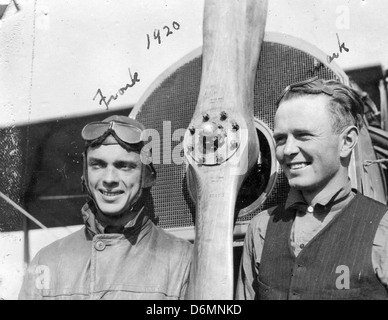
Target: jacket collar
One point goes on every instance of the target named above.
(95, 227)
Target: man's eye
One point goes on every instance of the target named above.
(96, 165)
(127, 167)
(304, 135)
(280, 141)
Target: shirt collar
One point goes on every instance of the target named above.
(331, 200)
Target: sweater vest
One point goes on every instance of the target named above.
(335, 264)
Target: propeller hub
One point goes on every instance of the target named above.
(212, 139)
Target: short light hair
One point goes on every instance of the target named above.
(346, 106)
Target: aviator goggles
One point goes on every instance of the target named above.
(126, 132)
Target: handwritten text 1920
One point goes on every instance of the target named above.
(157, 35)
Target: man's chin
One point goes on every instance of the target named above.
(111, 212)
(299, 185)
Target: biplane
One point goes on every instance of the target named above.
(195, 196)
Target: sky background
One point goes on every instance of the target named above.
(55, 55)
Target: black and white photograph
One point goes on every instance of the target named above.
(193, 150)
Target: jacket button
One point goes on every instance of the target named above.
(100, 245)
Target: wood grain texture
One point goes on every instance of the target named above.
(233, 33)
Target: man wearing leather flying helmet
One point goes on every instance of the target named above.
(124, 135)
(120, 253)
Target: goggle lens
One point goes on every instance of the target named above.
(126, 132)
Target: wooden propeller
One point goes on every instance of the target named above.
(221, 144)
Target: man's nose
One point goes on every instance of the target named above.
(110, 177)
(291, 147)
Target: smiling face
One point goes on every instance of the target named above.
(306, 146)
(114, 178)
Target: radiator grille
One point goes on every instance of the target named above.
(175, 100)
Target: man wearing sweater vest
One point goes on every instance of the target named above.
(328, 241)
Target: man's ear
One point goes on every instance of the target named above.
(349, 138)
